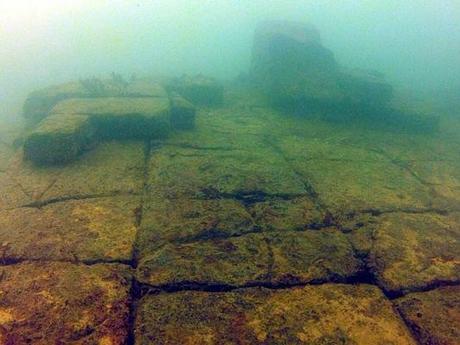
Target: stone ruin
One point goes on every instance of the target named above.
(301, 76)
(289, 65)
(68, 119)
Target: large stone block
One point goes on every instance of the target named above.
(126, 117)
(324, 314)
(59, 139)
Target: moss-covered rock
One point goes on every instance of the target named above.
(287, 258)
(433, 316)
(414, 251)
(311, 256)
(235, 261)
(59, 139)
(188, 220)
(78, 230)
(326, 314)
(176, 170)
(52, 303)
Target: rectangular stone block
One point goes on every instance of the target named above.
(59, 139)
(123, 117)
(322, 314)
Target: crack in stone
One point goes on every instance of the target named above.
(43, 203)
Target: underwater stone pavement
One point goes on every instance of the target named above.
(254, 228)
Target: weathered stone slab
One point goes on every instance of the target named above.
(299, 213)
(287, 258)
(187, 220)
(124, 117)
(324, 314)
(345, 186)
(177, 171)
(229, 262)
(111, 168)
(11, 194)
(78, 230)
(59, 303)
(39, 103)
(312, 257)
(433, 316)
(414, 251)
(59, 139)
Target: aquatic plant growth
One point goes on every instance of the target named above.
(287, 207)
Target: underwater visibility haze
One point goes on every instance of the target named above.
(230, 172)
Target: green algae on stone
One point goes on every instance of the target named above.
(59, 139)
(296, 214)
(433, 316)
(286, 258)
(235, 261)
(415, 251)
(312, 256)
(76, 230)
(322, 314)
(187, 220)
(63, 303)
(178, 171)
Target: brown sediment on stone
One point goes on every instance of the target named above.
(412, 252)
(327, 313)
(432, 316)
(111, 168)
(45, 303)
(77, 230)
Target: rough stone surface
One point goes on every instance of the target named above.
(415, 251)
(433, 316)
(326, 314)
(111, 168)
(229, 262)
(59, 139)
(60, 303)
(79, 230)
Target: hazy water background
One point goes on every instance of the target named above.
(415, 43)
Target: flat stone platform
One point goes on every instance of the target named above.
(252, 228)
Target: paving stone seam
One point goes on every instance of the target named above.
(43, 203)
(134, 293)
(76, 261)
